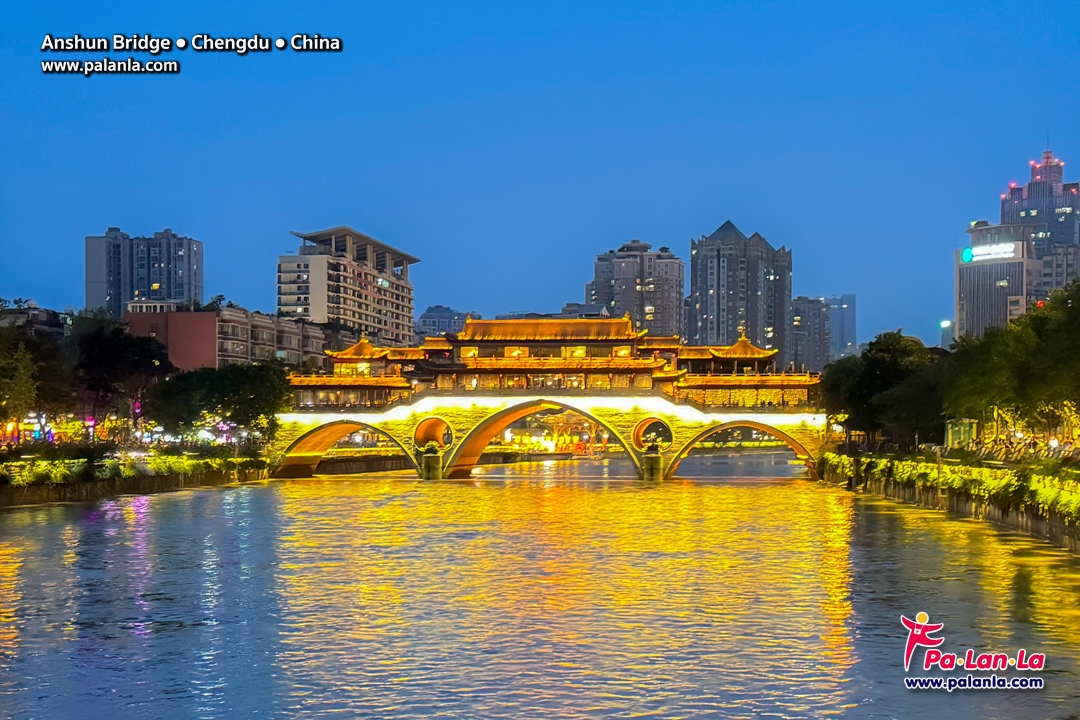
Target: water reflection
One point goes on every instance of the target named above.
(547, 590)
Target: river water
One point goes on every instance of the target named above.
(531, 591)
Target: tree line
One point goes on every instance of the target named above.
(1024, 377)
(100, 372)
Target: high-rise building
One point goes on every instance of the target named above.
(842, 339)
(740, 282)
(810, 333)
(646, 285)
(342, 276)
(439, 319)
(1048, 203)
(1035, 249)
(162, 268)
(998, 278)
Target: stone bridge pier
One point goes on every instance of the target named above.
(461, 427)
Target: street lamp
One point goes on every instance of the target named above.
(947, 334)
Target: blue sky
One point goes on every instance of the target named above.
(506, 146)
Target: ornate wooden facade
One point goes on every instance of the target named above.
(556, 357)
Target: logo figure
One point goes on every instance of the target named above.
(919, 631)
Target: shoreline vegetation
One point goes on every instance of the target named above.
(1040, 498)
(31, 475)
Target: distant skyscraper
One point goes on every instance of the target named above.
(810, 333)
(1046, 202)
(439, 319)
(842, 339)
(345, 277)
(163, 268)
(648, 285)
(736, 281)
(1035, 249)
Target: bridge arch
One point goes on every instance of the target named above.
(466, 454)
(800, 450)
(303, 455)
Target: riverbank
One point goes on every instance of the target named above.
(1042, 506)
(82, 491)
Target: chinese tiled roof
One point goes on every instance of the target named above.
(775, 380)
(436, 343)
(660, 342)
(362, 350)
(743, 348)
(386, 381)
(561, 364)
(549, 330)
(697, 353)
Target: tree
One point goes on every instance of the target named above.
(841, 393)
(889, 384)
(914, 407)
(117, 369)
(179, 402)
(250, 396)
(18, 386)
(216, 303)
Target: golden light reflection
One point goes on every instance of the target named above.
(616, 586)
(1023, 578)
(10, 596)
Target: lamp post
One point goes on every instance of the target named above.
(948, 334)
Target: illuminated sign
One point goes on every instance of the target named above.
(999, 251)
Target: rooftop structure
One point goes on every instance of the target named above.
(343, 276)
(641, 282)
(164, 268)
(739, 284)
(1048, 203)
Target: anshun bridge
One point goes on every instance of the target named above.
(443, 402)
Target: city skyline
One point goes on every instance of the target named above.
(507, 146)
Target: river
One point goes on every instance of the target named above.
(547, 590)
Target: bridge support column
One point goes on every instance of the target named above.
(431, 466)
(652, 467)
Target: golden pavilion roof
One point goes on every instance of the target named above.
(363, 350)
(561, 364)
(660, 342)
(743, 349)
(774, 380)
(549, 330)
(436, 343)
(383, 381)
(405, 353)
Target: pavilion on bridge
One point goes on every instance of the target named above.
(555, 356)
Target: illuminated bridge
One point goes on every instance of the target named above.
(442, 403)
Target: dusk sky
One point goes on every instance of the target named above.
(506, 147)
